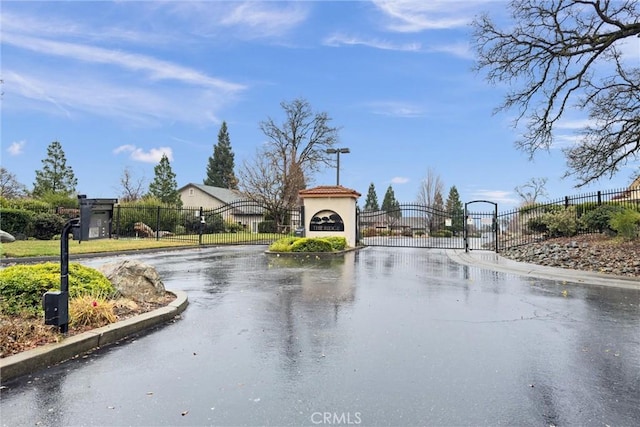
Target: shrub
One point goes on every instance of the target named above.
(539, 208)
(369, 232)
(337, 243)
(626, 223)
(232, 227)
(442, 233)
(46, 225)
(22, 286)
(31, 205)
(54, 199)
(213, 223)
(92, 311)
(599, 217)
(308, 244)
(562, 223)
(283, 245)
(268, 226)
(537, 224)
(16, 221)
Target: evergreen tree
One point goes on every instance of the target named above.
(438, 210)
(164, 185)
(55, 176)
(221, 163)
(455, 210)
(371, 204)
(390, 204)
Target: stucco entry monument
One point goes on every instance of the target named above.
(330, 211)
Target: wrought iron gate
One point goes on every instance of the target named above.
(420, 226)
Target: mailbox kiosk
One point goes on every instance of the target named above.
(94, 223)
(95, 218)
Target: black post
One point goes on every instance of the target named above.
(464, 229)
(495, 225)
(158, 223)
(201, 228)
(63, 321)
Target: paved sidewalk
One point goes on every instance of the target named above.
(495, 262)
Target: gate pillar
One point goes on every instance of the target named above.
(330, 211)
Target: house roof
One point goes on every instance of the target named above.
(329, 191)
(223, 194)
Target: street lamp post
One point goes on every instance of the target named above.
(337, 152)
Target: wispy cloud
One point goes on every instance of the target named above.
(396, 109)
(497, 196)
(155, 69)
(154, 155)
(16, 148)
(407, 16)
(63, 27)
(265, 18)
(244, 20)
(339, 39)
(72, 94)
(399, 180)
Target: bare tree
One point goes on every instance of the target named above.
(430, 196)
(131, 188)
(531, 190)
(261, 181)
(10, 188)
(563, 54)
(297, 148)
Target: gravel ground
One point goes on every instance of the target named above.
(586, 252)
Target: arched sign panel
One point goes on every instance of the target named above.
(326, 220)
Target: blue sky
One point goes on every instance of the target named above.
(120, 83)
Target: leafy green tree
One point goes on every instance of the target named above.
(221, 164)
(455, 210)
(55, 176)
(164, 185)
(371, 204)
(390, 205)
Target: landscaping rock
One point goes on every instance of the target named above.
(6, 237)
(588, 253)
(135, 280)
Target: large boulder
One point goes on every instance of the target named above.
(6, 237)
(134, 279)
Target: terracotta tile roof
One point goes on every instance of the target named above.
(329, 191)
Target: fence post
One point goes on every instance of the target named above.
(118, 221)
(201, 220)
(599, 197)
(566, 202)
(158, 223)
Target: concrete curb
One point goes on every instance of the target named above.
(31, 360)
(495, 262)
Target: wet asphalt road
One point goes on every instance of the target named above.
(383, 336)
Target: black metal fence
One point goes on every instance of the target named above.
(579, 214)
(241, 222)
(247, 222)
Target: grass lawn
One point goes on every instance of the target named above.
(35, 248)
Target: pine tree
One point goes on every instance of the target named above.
(390, 204)
(221, 163)
(371, 204)
(55, 176)
(455, 210)
(438, 216)
(164, 185)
